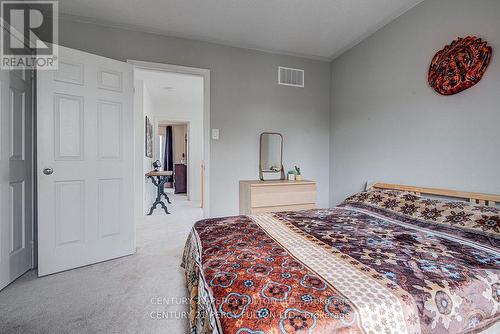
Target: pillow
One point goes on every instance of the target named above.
(376, 197)
(475, 218)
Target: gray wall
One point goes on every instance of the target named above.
(388, 125)
(245, 100)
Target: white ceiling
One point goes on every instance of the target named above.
(184, 93)
(312, 28)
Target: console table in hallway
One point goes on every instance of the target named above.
(158, 178)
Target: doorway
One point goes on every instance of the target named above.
(175, 100)
(173, 146)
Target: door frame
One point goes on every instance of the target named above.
(205, 74)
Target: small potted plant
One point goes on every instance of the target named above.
(291, 175)
(298, 176)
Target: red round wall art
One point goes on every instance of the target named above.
(460, 65)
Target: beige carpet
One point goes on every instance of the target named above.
(142, 293)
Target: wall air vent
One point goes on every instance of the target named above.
(290, 77)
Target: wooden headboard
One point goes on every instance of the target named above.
(476, 198)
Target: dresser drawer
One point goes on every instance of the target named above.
(282, 195)
(274, 196)
(266, 209)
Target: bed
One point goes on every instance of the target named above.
(386, 260)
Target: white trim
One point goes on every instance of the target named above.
(205, 73)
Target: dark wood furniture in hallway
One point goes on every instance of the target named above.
(180, 178)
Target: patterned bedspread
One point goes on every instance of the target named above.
(382, 262)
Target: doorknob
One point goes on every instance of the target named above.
(48, 171)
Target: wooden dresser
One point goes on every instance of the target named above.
(180, 178)
(273, 196)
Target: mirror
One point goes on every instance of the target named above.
(271, 156)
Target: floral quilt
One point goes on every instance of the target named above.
(381, 262)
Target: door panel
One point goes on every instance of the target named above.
(69, 72)
(69, 127)
(109, 79)
(110, 192)
(69, 212)
(110, 130)
(16, 182)
(17, 219)
(85, 135)
(17, 120)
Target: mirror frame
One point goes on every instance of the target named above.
(261, 172)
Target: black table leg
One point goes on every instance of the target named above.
(154, 207)
(159, 184)
(164, 194)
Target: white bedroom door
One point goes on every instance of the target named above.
(16, 187)
(85, 151)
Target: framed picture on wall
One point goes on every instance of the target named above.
(149, 138)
